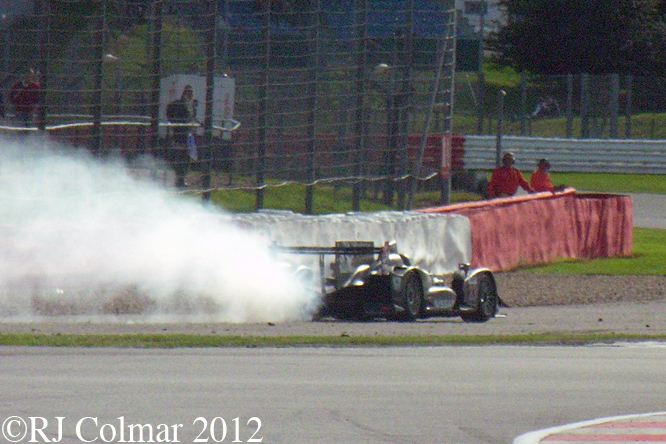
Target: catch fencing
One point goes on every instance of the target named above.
(566, 106)
(321, 92)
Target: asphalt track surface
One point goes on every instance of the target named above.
(649, 210)
(451, 395)
(645, 425)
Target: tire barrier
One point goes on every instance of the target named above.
(513, 232)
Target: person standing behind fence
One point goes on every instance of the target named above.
(181, 111)
(506, 179)
(540, 180)
(25, 97)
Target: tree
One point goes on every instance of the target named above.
(583, 36)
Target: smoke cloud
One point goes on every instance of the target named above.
(82, 238)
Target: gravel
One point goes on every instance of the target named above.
(535, 304)
(535, 290)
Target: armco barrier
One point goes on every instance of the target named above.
(571, 155)
(535, 229)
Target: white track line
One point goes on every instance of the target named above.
(536, 436)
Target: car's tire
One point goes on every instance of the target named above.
(354, 315)
(412, 298)
(319, 314)
(488, 301)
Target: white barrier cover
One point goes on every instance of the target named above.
(435, 242)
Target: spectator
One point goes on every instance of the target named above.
(540, 180)
(181, 111)
(546, 108)
(506, 179)
(25, 96)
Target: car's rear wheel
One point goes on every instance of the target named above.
(412, 297)
(488, 303)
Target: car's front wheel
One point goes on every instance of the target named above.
(488, 303)
(412, 297)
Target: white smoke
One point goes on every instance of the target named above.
(83, 237)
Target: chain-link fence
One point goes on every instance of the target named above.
(310, 91)
(568, 106)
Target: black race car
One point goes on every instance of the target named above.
(367, 282)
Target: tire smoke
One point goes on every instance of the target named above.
(85, 238)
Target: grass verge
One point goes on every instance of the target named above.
(606, 182)
(169, 341)
(648, 259)
(613, 183)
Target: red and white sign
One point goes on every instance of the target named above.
(445, 170)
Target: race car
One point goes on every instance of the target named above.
(367, 282)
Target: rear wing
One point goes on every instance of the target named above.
(349, 255)
(340, 248)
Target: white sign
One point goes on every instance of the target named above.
(171, 88)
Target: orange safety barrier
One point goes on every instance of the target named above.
(604, 225)
(535, 229)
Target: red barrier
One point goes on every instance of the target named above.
(604, 224)
(539, 228)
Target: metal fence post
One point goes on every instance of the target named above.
(482, 77)
(569, 109)
(584, 106)
(446, 56)
(315, 37)
(500, 116)
(523, 103)
(206, 153)
(99, 23)
(361, 15)
(42, 9)
(614, 104)
(404, 101)
(262, 123)
(627, 106)
(155, 73)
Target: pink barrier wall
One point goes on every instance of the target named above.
(604, 225)
(538, 228)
